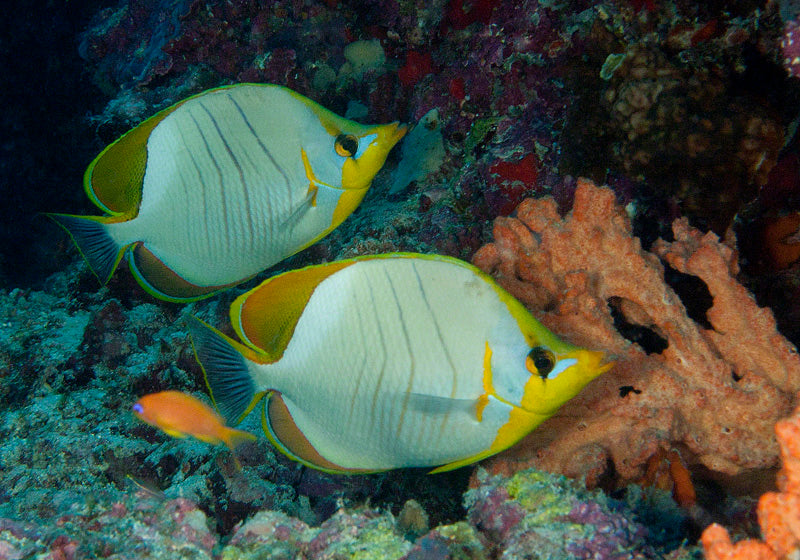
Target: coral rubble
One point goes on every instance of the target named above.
(778, 512)
(714, 385)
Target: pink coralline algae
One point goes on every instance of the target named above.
(532, 511)
(790, 47)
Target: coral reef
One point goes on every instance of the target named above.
(712, 382)
(778, 512)
(503, 77)
(537, 515)
(694, 107)
(530, 515)
(90, 481)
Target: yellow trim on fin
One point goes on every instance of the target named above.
(113, 180)
(161, 282)
(273, 439)
(312, 179)
(250, 407)
(265, 317)
(463, 462)
(248, 353)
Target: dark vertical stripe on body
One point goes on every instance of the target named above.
(361, 369)
(219, 173)
(272, 221)
(202, 187)
(441, 341)
(384, 353)
(410, 354)
(235, 161)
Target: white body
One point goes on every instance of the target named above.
(385, 368)
(225, 193)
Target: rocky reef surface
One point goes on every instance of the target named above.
(82, 478)
(685, 110)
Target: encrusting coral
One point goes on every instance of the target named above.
(778, 512)
(716, 388)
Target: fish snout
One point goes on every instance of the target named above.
(590, 362)
(392, 133)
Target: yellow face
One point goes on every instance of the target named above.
(366, 154)
(556, 378)
(345, 154)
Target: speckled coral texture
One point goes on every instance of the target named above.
(715, 390)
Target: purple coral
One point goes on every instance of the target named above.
(615, 535)
(790, 46)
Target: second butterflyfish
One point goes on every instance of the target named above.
(389, 361)
(220, 186)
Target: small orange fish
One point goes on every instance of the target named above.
(181, 415)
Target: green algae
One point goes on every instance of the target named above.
(543, 495)
(377, 541)
(464, 543)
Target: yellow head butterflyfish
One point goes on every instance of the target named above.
(222, 185)
(389, 361)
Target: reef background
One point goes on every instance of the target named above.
(684, 109)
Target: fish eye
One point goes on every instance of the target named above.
(540, 361)
(138, 408)
(346, 145)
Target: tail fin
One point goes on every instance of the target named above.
(89, 234)
(233, 438)
(225, 370)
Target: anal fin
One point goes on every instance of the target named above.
(281, 430)
(162, 282)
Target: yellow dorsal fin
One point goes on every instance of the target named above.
(113, 181)
(265, 317)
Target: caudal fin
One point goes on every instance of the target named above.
(233, 438)
(225, 369)
(90, 235)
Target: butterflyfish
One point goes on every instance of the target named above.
(220, 186)
(389, 361)
(179, 415)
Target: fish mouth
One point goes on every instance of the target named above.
(591, 361)
(392, 133)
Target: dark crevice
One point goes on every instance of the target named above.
(626, 390)
(693, 293)
(648, 339)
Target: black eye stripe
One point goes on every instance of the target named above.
(543, 360)
(346, 145)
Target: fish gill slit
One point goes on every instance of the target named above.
(238, 166)
(448, 356)
(219, 174)
(407, 338)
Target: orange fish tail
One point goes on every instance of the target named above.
(233, 438)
